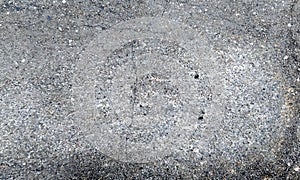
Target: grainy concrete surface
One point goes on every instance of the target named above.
(181, 89)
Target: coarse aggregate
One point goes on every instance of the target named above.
(247, 81)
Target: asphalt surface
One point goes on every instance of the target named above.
(149, 89)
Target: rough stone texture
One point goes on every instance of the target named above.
(248, 90)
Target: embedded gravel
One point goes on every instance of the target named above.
(181, 89)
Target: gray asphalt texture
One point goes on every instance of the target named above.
(248, 124)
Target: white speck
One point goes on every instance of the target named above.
(285, 57)
(8, 13)
(59, 28)
(196, 150)
(296, 169)
(23, 60)
(64, 1)
(202, 162)
(237, 14)
(205, 10)
(232, 171)
(289, 25)
(254, 13)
